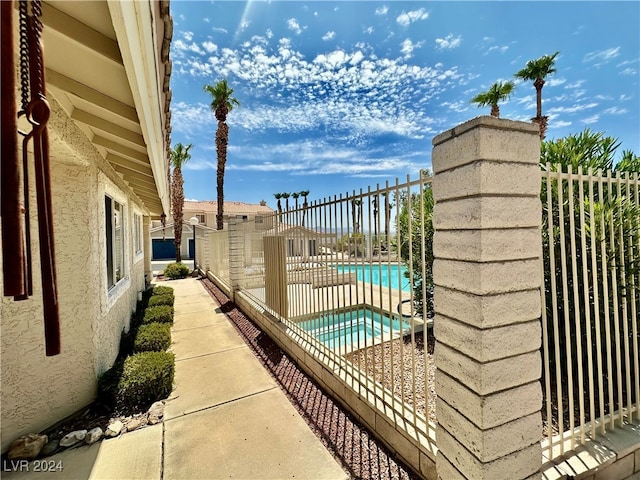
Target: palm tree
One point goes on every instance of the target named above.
(537, 71)
(304, 194)
(222, 102)
(295, 196)
(286, 196)
(179, 156)
(497, 92)
(278, 197)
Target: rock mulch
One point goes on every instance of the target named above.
(357, 450)
(85, 429)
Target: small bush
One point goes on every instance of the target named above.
(143, 378)
(160, 300)
(159, 313)
(176, 270)
(162, 290)
(153, 337)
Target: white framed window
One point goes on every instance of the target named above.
(201, 218)
(115, 235)
(259, 220)
(137, 233)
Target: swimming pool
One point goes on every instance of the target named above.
(383, 274)
(353, 328)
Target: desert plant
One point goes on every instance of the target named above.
(153, 337)
(176, 270)
(159, 313)
(138, 381)
(161, 300)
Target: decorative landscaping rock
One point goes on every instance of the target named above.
(27, 447)
(50, 448)
(72, 438)
(133, 424)
(156, 412)
(93, 435)
(114, 429)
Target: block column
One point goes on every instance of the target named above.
(236, 255)
(487, 275)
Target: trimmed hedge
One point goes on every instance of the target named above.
(162, 290)
(176, 270)
(159, 313)
(138, 381)
(160, 300)
(153, 337)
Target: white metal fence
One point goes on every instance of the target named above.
(351, 278)
(338, 273)
(590, 304)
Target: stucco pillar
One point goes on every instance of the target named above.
(146, 235)
(236, 254)
(487, 270)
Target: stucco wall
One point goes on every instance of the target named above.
(38, 391)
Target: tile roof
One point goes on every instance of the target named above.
(230, 208)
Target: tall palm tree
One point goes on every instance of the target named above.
(537, 71)
(497, 92)
(286, 196)
(278, 197)
(304, 194)
(179, 156)
(222, 102)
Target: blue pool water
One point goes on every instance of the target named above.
(343, 329)
(385, 275)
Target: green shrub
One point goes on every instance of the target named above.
(138, 381)
(176, 270)
(162, 290)
(159, 313)
(160, 300)
(153, 337)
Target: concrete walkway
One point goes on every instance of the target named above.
(226, 417)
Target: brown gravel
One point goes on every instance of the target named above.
(392, 364)
(351, 444)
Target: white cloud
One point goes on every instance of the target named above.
(560, 124)
(590, 120)
(408, 47)
(319, 157)
(497, 48)
(294, 26)
(382, 10)
(370, 96)
(615, 111)
(448, 42)
(554, 82)
(210, 47)
(368, 30)
(573, 109)
(601, 57)
(188, 36)
(219, 30)
(629, 71)
(186, 118)
(205, 19)
(329, 35)
(406, 18)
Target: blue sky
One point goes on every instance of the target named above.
(338, 96)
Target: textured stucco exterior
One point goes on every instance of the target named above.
(38, 391)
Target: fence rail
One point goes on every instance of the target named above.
(590, 303)
(351, 279)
